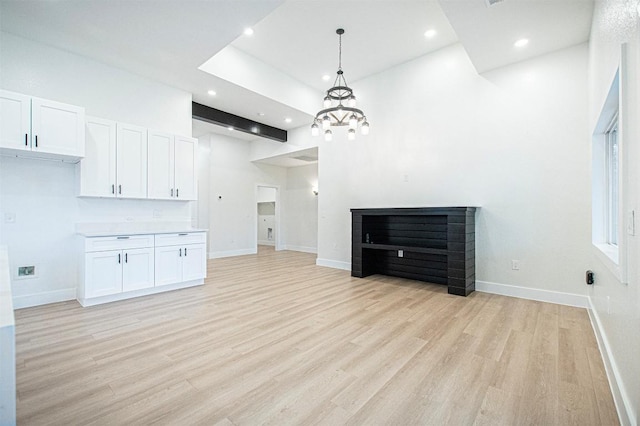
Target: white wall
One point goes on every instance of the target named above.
(511, 141)
(616, 305)
(300, 217)
(42, 193)
(233, 184)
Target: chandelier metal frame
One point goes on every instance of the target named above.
(336, 113)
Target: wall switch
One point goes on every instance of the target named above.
(631, 226)
(400, 253)
(405, 178)
(9, 218)
(515, 265)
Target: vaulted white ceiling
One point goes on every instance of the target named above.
(277, 71)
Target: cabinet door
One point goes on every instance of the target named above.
(168, 265)
(137, 269)
(160, 166)
(98, 167)
(131, 161)
(15, 121)
(103, 273)
(186, 168)
(194, 262)
(57, 128)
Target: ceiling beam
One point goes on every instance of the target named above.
(241, 124)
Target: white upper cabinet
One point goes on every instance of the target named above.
(131, 161)
(185, 168)
(98, 167)
(34, 127)
(15, 121)
(161, 166)
(172, 167)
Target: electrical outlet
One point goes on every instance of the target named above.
(515, 265)
(400, 253)
(9, 218)
(157, 214)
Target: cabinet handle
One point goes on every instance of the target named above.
(119, 189)
(172, 192)
(177, 192)
(122, 238)
(126, 260)
(182, 235)
(26, 139)
(113, 189)
(185, 252)
(119, 258)
(36, 141)
(180, 252)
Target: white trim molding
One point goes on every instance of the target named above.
(303, 249)
(620, 396)
(569, 299)
(336, 264)
(37, 299)
(231, 253)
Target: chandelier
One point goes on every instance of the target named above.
(340, 106)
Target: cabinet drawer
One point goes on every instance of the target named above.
(122, 242)
(180, 239)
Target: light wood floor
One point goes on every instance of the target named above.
(274, 339)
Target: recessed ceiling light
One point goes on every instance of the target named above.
(430, 33)
(261, 114)
(230, 128)
(212, 92)
(254, 129)
(248, 31)
(521, 43)
(287, 120)
(326, 77)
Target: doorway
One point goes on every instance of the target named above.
(268, 216)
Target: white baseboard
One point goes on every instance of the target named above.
(620, 396)
(231, 253)
(336, 264)
(557, 297)
(144, 292)
(37, 299)
(302, 249)
(266, 243)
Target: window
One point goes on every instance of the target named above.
(607, 189)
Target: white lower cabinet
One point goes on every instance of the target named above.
(119, 267)
(180, 257)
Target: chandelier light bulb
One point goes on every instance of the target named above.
(351, 135)
(353, 122)
(315, 130)
(327, 101)
(364, 129)
(326, 122)
(328, 135)
(351, 101)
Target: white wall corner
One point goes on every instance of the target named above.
(540, 295)
(44, 298)
(620, 396)
(336, 264)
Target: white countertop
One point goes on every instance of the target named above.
(6, 299)
(134, 228)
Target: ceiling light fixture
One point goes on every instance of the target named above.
(248, 31)
(430, 33)
(212, 92)
(326, 77)
(287, 120)
(521, 43)
(335, 113)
